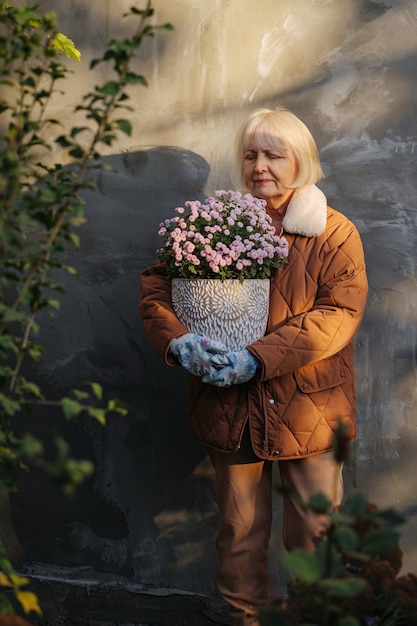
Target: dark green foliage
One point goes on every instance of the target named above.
(352, 577)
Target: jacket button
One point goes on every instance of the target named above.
(304, 386)
(275, 453)
(271, 401)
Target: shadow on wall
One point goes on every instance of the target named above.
(150, 498)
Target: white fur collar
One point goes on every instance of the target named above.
(306, 212)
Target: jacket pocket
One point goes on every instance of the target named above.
(334, 371)
(217, 416)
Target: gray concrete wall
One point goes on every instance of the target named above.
(349, 69)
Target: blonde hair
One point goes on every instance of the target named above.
(279, 128)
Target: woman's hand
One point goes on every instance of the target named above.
(232, 368)
(195, 353)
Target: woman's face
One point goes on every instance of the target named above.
(269, 172)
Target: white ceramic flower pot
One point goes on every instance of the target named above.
(230, 311)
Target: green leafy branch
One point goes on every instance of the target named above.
(39, 219)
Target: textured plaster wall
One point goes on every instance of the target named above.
(349, 69)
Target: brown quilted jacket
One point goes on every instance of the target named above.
(306, 380)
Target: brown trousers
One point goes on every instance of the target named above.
(243, 485)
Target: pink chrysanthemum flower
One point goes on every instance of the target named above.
(229, 236)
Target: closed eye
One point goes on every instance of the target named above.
(274, 155)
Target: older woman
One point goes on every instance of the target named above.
(281, 398)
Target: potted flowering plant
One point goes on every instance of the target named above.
(220, 256)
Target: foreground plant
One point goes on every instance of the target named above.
(41, 208)
(352, 578)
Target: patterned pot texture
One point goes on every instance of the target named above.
(230, 311)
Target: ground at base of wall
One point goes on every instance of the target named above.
(73, 605)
